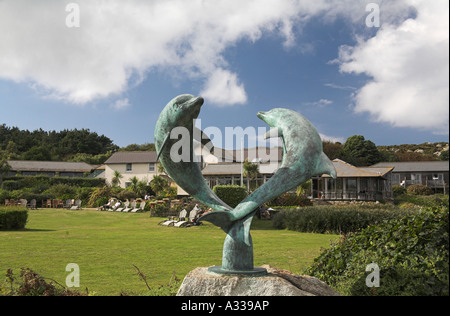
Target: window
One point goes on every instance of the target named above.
(129, 167)
(416, 178)
(151, 167)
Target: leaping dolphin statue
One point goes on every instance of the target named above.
(303, 157)
(181, 112)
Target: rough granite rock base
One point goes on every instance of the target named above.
(200, 282)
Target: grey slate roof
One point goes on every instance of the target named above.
(416, 166)
(132, 157)
(52, 166)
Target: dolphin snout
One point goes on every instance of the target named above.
(261, 114)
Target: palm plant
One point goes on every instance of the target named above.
(115, 181)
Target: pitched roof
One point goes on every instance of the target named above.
(52, 166)
(416, 166)
(132, 157)
(346, 170)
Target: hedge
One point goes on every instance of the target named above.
(337, 219)
(13, 218)
(412, 254)
(19, 182)
(230, 194)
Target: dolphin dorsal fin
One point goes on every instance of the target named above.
(163, 145)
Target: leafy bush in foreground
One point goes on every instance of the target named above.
(412, 254)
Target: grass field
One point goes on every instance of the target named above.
(106, 245)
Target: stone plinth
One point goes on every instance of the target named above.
(200, 282)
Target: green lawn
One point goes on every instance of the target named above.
(106, 245)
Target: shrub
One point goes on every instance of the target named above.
(398, 190)
(419, 189)
(290, 199)
(230, 194)
(126, 195)
(412, 254)
(337, 220)
(10, 185)
(13, 218)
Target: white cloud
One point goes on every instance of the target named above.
(120, 43)
(121, 104)
(321, 103)
(409, 67)
(224, 88)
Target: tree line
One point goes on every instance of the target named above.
(66, 145)
(86, 146)
(359, 151)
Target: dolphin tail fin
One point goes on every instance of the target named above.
(325, 166)
(221, 219)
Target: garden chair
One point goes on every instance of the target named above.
(23, 202)
(127, 208)
(77, 205)
(140, 208)
(6, 202)
(68, 204)
(32, 204)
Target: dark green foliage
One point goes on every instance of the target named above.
(419, 189)
(19, 144)
(360, 152)
(398, 190)
(412, 254)
(336, 219)
(230, 194)
(290, 199)
(32, 181)
(13, 218)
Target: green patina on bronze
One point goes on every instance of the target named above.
(303, 158)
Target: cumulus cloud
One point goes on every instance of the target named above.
(409, 68)
(120, 43)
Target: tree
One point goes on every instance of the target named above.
(115, 181)
(360, 152)
(160, 185)
(251, 171)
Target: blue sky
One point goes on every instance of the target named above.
(115, 72)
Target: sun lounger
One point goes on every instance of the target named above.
(127, 209)
(77, 205)
(171, 222)
(140, 208)
(119, 208)
(189, 221)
